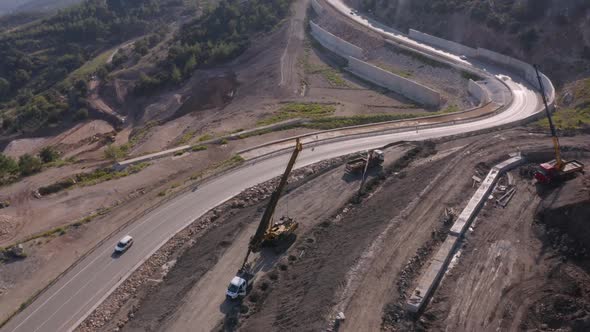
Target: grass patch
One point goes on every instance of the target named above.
(205, 137)
(299, 110)
(402, 73)
(577, 113)
(187, 137)
(196, 148)
(139, 134)
(331, 75)
(356, 120)
(90, 67)
(92, 178)
(102, 175)
(568, 119)
(450, 109)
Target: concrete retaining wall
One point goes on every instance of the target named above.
(335, 44)
(317, 7)
(441, 43)
(437, 267)
(524, 69)
(405, 87)
(478, 92)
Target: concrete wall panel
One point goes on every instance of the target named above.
(405, 87)
(522, 68)
(478, 92)
(443, 44)
(317, 7)
(335, 44)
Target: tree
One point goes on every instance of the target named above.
(81, 114)
(7, 122)
(4, 87)
(29, 165)
(82, 87)
(189, 66)
(175, 76)
(48, 154)
(8, 166)
(114, 152)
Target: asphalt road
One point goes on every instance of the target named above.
(65, 304)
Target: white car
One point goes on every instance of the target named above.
(463, 57)
(124, 244)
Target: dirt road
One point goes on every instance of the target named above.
(289, 76)
(201, 303)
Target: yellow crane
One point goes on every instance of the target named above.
(268, 231)
(558, 168)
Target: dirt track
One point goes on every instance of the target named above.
(189, 297)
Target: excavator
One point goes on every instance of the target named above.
(268, 232)
(557, 169)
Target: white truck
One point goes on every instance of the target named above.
(240, 285)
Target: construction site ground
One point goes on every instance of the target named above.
(515, 272)
(279, 67)
(363, 259)
(194, 300)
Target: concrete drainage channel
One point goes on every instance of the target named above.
(432, 275)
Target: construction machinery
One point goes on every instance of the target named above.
(372, 159)
(557, 169)
(268, 233)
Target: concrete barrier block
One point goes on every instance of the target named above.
(432, 274)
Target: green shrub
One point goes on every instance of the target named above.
(48, 154)
(114, 152)
(196, 148)
(29, 165)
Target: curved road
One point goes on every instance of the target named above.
(66, 303)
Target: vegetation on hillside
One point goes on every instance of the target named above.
(35, 59)
(541, 31)
(574, 110)
(220, 34)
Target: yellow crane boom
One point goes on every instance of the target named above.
(267, 230)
